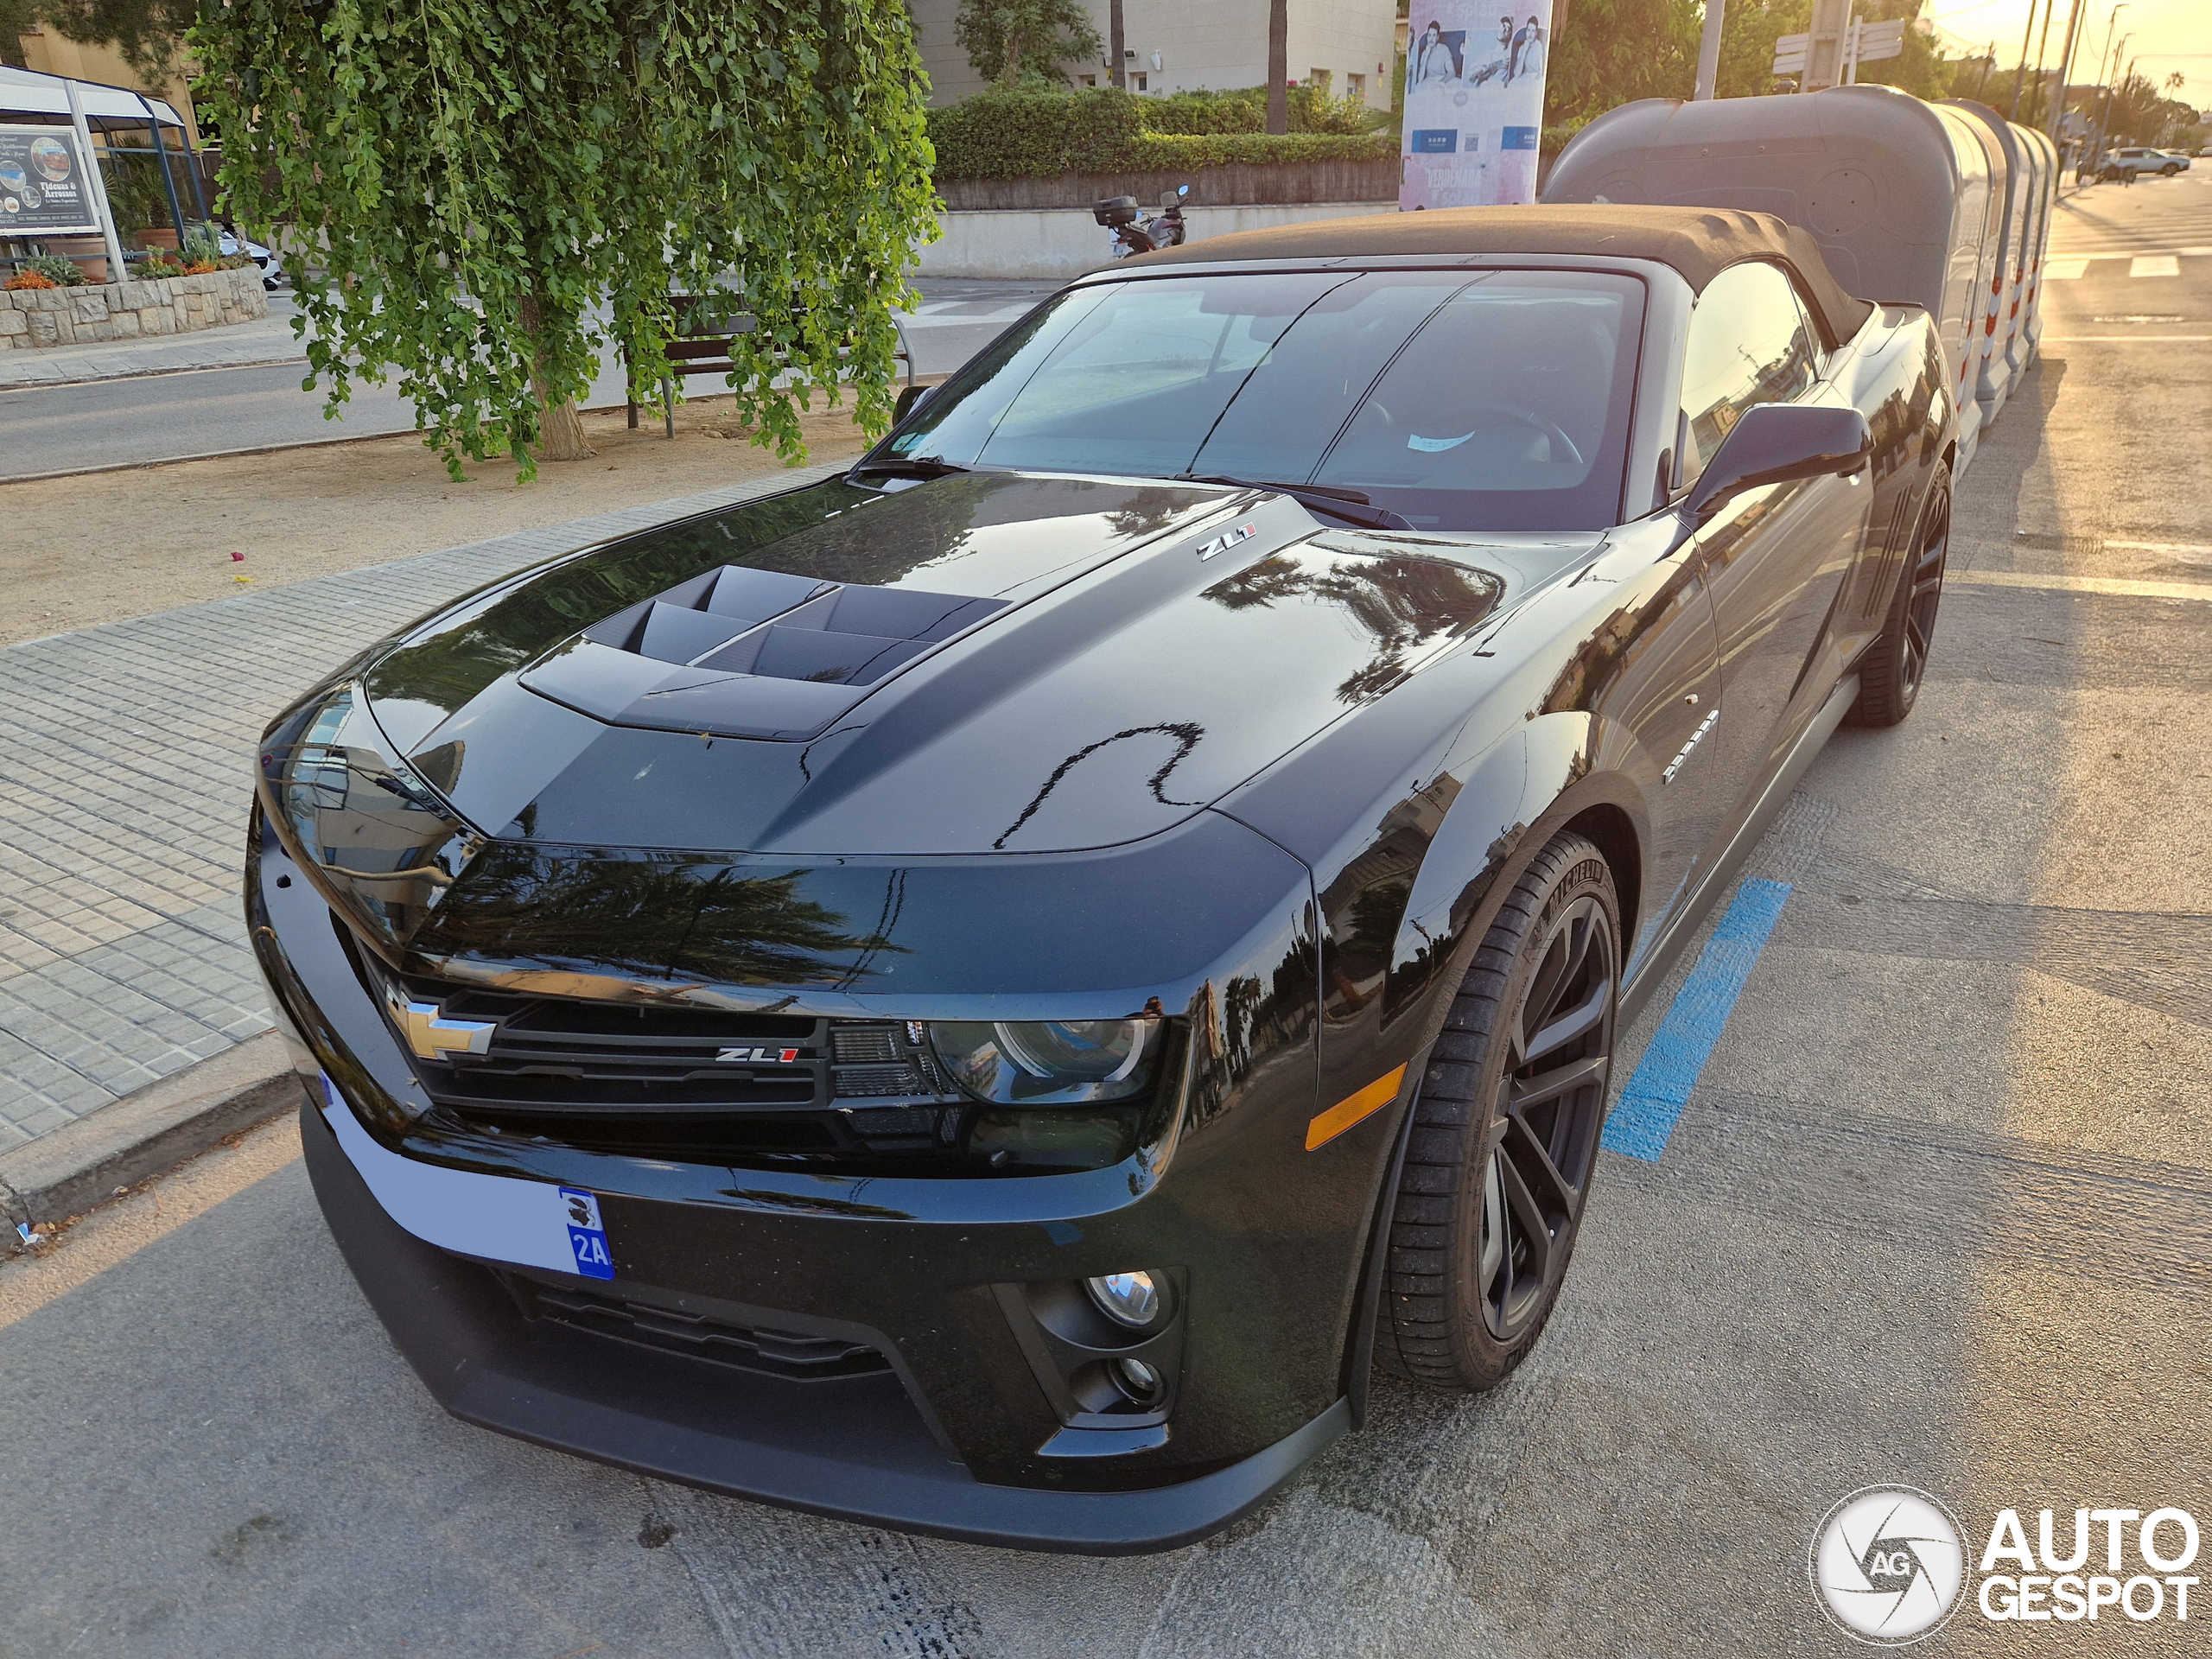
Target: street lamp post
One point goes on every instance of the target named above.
(2104, 112)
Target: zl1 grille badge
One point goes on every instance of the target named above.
(756, 1056)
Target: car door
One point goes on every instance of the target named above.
(1773, 558)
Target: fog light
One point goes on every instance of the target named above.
(1137, 1380)
(1130, 1298)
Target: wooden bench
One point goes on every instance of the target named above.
(703, 347)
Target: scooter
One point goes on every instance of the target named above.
(1134, 234)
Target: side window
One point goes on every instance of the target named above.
(1749, 343)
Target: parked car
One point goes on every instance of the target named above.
(985, 994)
(2182, 158)
(272, 266)
(2138, 160)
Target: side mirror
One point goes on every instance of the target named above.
(910, 399)
(1776, 442)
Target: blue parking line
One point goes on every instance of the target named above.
(1655, 1096)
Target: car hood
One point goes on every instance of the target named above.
(981, 663)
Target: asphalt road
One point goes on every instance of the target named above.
(156, 417)
(1939, 1213)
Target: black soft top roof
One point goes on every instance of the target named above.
(1699, 242)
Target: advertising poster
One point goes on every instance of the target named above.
(42, 187)
(1474, 102)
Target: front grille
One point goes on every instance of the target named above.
(752, 1348)
(685, 1084)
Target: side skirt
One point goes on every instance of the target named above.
(1684, 923)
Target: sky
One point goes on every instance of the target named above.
(2169, 36)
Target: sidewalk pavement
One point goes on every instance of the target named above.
(125, 766)
(946, 302)
(265, 339)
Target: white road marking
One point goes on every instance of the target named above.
(2188, 552)
(2154, 265)
(2114, 586)
(2065, 270)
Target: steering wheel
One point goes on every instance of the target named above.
(1519, 417)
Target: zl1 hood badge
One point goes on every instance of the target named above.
(1226, 540)
(757, 1055)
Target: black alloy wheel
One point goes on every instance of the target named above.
(1504, 1137)
(1891, 671)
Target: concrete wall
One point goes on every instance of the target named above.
(1201, 43)
(32, 317)
(1042, 244)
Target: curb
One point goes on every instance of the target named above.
(147, 1132)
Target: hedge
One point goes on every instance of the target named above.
(1099, 130)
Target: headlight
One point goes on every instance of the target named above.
(1050, 1062)
(379, 841)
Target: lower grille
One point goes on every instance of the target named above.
(750, 1348)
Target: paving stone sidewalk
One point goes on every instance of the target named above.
(266, 340)
(124, 760)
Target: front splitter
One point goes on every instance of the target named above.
(855, 1450)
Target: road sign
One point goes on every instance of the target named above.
(1864, 43)
(1881, 39)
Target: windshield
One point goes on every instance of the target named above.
(1494, 400)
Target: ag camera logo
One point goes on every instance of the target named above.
(1887, 1565)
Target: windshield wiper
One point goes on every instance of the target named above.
(908, 466)
(1350, 505)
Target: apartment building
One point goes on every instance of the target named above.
(1173, 46)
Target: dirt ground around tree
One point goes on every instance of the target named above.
(96, 549)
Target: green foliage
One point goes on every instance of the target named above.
(1171, 152)
(149, 33)
(1024, 135)
(1753, 26)
(1245, 109)
(1613, 52)
(2142, 114)
(63, 273)
(1014, 135)
(476, 177)
(1015, 42)
(201, 245)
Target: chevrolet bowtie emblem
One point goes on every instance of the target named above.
(431, 1035)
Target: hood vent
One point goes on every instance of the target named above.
(741, 652)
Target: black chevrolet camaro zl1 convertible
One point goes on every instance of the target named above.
(985, 994)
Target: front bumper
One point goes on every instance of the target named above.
(953, 1431)
(855, 1448)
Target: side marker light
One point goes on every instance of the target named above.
(1353, 1108)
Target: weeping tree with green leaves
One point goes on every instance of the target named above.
(480, 192)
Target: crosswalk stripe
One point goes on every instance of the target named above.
(2065, 270)
(2115, 586)
(2154, 265)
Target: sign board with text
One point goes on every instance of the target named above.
(1474, 104)
(44, 186)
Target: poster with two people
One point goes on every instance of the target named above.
(1474, 102)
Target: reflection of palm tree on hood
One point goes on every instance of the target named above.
(667, 915)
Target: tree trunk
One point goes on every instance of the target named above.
(560, 429)
(1119, 40)
(1278, 65)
